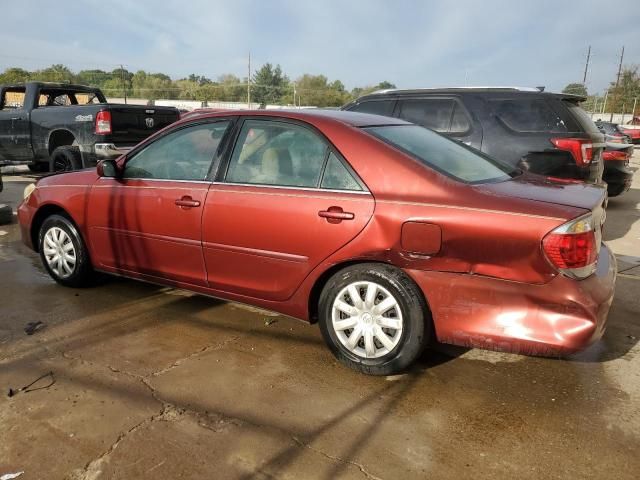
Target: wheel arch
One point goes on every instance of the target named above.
(59, 138)
(321, 281)
(41, 215)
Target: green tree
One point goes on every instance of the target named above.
(576, 89)
(316, 90)
(269, 85)
(14, 75)
(54, 73)
(360, 91)
(623, 97)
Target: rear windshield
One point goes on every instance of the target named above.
(582, 117)
(442, 154)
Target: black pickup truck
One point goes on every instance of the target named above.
(57, 127)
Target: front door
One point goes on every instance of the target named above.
(15, 132)
(287, 202)
(149, 221)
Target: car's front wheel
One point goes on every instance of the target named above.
(63, 252)
(374, 318)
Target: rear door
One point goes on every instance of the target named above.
(149, 221)
(285, 203)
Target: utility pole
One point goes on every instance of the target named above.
(615, 92)
(604, 104)
(124, 89)
(586, 67)
(249, 83)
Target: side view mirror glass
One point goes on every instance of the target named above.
(107, 168)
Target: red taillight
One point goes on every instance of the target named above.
(103, 122)
(572, 248)
(617, 155)
(580, 148)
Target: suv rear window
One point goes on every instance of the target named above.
(528, 115)
(443, 115)
(582, 117)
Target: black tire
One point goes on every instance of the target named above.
(65, 159)
(416, 318)
(82, 274)
(39, 167)
(6, 214)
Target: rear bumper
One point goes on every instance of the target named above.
(553, 319)
(618, 177)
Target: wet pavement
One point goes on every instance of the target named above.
(152, 382)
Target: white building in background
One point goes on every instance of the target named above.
(193, 104)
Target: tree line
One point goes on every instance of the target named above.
(619, 99)
(269, 85)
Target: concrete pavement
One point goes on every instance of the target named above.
(153, 382)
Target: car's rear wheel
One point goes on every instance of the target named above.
(374, 318)
(63, 252)
(65, 159)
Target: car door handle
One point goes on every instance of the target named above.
(335, 214)
(187, 202)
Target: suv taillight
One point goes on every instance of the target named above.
(580, 148)
(618, 155)
(103, 122)
(572, 247)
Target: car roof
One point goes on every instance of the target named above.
(62, 86)
(354, 119)
(458, 90)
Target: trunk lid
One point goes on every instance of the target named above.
(571, 193)
(130, 124)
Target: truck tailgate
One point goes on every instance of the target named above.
(130, 124)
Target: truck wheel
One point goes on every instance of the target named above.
(65, 159)
(6, 214)
(38, 167)
(63, 252)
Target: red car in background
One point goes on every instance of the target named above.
(387, 234)
(632, 129)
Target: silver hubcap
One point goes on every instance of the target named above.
(59, 252)
(367, 319)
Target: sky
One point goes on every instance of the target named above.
(410, 43)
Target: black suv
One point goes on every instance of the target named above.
(545, 133)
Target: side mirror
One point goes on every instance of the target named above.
(107, 168)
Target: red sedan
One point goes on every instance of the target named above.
(385, 233)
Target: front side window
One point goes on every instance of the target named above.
(13, 99)
(277, 153)
(185, 154)
(443, 115)
(442, 154)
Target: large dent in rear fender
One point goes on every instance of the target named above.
(560, 317)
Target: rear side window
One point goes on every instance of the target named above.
(377, 107)
(277, 153)
(528, 115)
(337, 177)
(443, 115)
(582, 117)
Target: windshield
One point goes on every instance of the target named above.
(442, 154)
